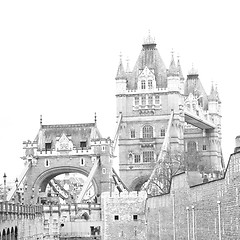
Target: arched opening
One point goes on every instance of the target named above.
(16, 233)
(12, 233)
(8, 234)
(63, 185)
(4, 237)
(138, 183)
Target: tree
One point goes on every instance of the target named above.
(174, 162)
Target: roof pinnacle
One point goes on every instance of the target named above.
(121, 74)
(95, 117)
(172, 71)
(127, 68)
(179, 68)
(40, 120)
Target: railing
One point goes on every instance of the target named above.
(10, 211)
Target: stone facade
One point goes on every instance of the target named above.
(145, 98)
(205, 211)
(123, 216)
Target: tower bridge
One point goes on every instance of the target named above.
(158, 111)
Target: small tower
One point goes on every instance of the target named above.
(146, 103)
(121, 78)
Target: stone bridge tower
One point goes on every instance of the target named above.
(66, 148)
(145, 98)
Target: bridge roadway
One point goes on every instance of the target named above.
(23, 222)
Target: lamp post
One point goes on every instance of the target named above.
(5, 187)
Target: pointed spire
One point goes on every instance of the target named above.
(213, 94)
(121, 74)
(172, 71)
(179, 68)
(217, 94)
(128, 67)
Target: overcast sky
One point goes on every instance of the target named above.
(60, 58)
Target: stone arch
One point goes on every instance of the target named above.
(139, 182)
(12, 233)
(16, 233)
(43, 179)
(8, 234)
(4, 237)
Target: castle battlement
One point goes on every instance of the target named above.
(101, 141)
(125, 194)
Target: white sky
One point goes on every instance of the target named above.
(60, 58)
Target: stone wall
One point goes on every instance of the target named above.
(204, 211)
(123, 216)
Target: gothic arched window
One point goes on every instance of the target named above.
(191, 146)
(147, 131)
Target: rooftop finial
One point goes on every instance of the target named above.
(193, 71)
(95, 117)
(127, 68)
(40, 120)
(149, 39)
(120, 56)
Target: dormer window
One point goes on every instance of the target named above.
(150, 84)
(48, 146)
(143, 84)
(83, 144)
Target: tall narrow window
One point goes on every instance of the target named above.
(148, 156)
(143, 100)
(137, 158)
(150, 100)
(147, 131)
(149, 84)
(136, 101)
(162, 132)
(47, 163)
(132, 133)
(157, 99)
(143, 84)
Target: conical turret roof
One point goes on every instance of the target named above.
(214, 94)
(172, 71)
(121, 74)
(149, 57)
